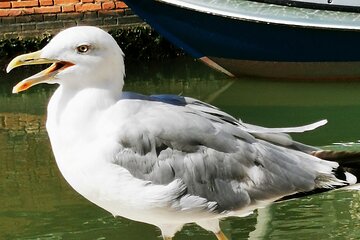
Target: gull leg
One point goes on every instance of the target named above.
(168, 230)
(213, 226)
(221, 236)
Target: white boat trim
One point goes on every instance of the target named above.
(273, 14)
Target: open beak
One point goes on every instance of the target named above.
(43, 76)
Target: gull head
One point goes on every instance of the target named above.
(80, 57)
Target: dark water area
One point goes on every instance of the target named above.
(37, 203)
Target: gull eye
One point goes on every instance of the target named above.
(83, 48)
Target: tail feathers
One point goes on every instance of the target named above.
(349, 162)
(346, 175)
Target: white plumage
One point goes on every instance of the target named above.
(164, 160)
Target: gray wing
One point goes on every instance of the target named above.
(213, 155)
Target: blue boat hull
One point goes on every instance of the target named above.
(243, 47)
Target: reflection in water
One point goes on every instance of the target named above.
(36, 202)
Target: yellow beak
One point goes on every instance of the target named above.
(43, 76)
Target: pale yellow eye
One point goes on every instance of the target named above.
(83, 48)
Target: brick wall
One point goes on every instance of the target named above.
(10, 8)
(24, 18)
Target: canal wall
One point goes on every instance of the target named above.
(35, 18)
(28, 25)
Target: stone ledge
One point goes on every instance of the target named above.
(140, 42)
(25, 27)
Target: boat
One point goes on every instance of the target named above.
(277, 39)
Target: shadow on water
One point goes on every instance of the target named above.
(36, 202)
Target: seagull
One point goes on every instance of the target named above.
(166, 160)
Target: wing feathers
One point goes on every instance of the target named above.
(217, 157)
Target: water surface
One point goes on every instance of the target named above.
(36, 202)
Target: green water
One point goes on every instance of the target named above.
(36, 202)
